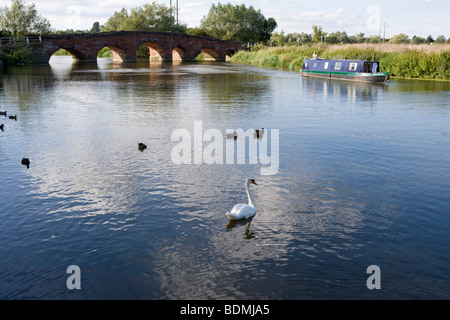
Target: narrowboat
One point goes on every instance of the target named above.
(352, 70)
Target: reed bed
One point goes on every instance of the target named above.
(392, 48)
(400, 60)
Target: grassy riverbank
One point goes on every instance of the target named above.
(400, 60)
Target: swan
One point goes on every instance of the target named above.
(241, 210)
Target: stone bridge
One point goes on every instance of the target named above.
(165, 46)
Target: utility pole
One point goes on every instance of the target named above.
(380, 33)
(177, 12)
(384, 33)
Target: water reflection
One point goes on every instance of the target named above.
(22, 88)
(420, 86)
(351, 91)
(185, 86)
(243, 222)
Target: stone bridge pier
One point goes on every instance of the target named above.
(164, 46)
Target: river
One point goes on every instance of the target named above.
(350, 176)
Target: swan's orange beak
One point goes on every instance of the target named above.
(253, 181)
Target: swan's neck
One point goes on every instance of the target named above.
(250, 198)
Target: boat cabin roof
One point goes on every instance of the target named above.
(338, 65)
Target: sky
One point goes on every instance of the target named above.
(412, 17)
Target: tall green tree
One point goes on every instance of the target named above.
(118, 21)
(148, 17)
(21, 18)
(318, 34)
(238, 23)
(95, 27)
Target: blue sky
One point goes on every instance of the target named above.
(413, 17)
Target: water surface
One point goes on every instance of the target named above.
(363, 179)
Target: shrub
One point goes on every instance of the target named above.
(20, 56)
(104, 53)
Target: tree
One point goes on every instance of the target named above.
(332, 38)
(373, 39)
(197, 32)
(95, 27)
(318, 34)
(278, 38)
(417, 40)
(359, 38)
(399, 38)
(21, 19)
(440, 39)
(148, 17)
(238, 23)
(118, 21)
(305, 37)
(342, 37)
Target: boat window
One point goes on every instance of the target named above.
(325, 65)
(353, 66)
(315, 65)
(306, 64)
(337, 66)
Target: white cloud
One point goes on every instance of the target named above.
(291, 15)
(339, 16)
(191, 13)
(304, 20)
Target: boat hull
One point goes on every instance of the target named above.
(359, 77)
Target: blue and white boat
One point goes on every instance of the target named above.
(352, 70)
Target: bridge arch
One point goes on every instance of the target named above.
(156, 50)
(179, 53)
(229, 54)
(76, 55)
(209, 54)
(118, 54)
